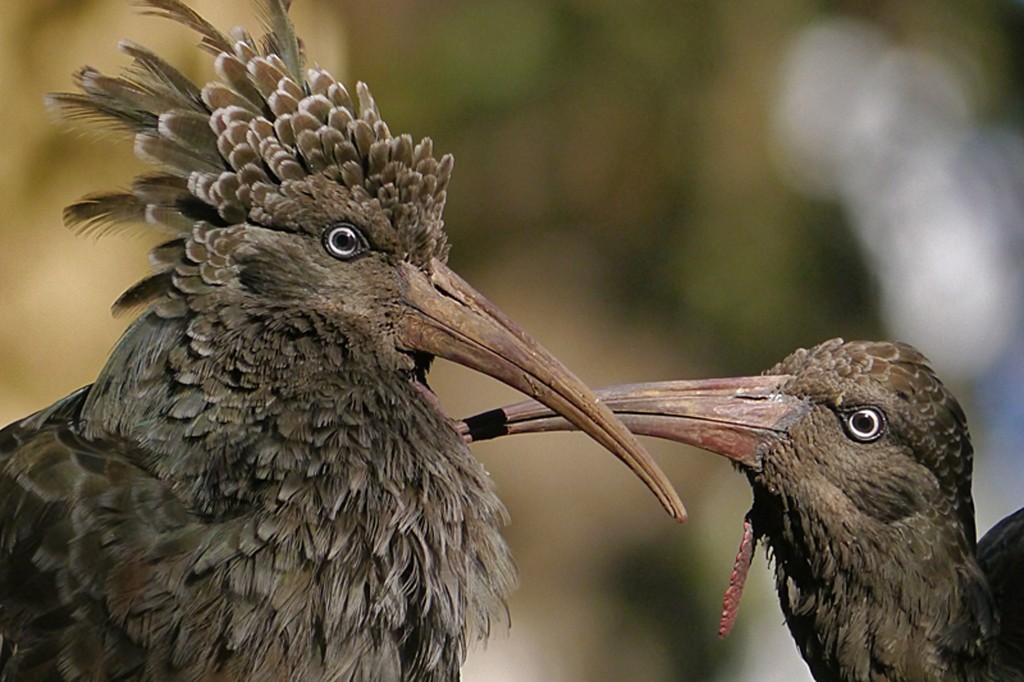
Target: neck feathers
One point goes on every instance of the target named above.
(899, 601)
(352, 473)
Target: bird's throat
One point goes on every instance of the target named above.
(848, 591)
(338, 463)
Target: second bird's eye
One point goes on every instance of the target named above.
(864, 424)
(344, 241)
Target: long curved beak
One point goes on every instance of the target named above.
(449, 319)
(734, 417)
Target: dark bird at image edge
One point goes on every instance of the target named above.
(860, 463)
(260, 485)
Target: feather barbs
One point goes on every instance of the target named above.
(221, 150)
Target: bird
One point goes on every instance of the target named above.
(260, 484)
(860, 463)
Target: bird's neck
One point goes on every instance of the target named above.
(339, 462)
(896, 601)
(223, 411)
(233, 416)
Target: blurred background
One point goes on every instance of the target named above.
(655, 190)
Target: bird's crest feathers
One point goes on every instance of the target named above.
(223, 149)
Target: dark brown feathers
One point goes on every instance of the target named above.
(225, 150)
(877, 568)
(254, 488)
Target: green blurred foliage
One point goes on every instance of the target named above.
(640, 129)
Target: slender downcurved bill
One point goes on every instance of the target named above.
(734, 417)
(449, 319)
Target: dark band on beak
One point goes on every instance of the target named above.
(485, 426)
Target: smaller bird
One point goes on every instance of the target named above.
(860, 463)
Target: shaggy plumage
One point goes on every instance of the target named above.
(259, 485)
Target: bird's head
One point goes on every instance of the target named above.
(882, 437)
(862, 428)
(289, 200)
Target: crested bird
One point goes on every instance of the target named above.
(260, 485)
(860, 463)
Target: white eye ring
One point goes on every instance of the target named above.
(344, 241)
(864, 424)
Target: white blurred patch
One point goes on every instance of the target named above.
(512, 657)
(891, 134)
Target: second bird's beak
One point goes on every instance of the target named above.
(449, 319)
(736, 417)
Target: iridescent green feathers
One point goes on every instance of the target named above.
(225, 150)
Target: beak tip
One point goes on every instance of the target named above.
(677, 511)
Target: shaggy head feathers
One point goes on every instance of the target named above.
(226, 153)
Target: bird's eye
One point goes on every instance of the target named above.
(344, 241)
(864, 424)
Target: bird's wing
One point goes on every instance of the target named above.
(1001, 556)
(82, 532)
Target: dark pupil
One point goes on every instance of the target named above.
(344, 241)
(863, 423)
